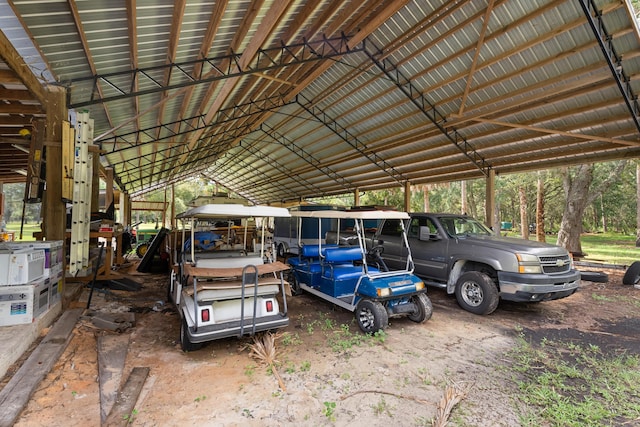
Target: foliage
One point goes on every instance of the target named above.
(572, 385)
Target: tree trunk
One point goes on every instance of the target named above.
(576, 191)
(540, 234)
(638, 204)
(524, 220)
(578, 196)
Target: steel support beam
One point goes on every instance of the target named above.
(594, 18)
(121, 85)
(419, 100)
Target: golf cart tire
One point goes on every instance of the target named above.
(294, 285)
(185, 342)
(371, 316)
(632, 275)
(282, 250)
(424, 308)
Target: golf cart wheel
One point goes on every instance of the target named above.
(371, 316)
(294, 284)
(477, 293)
(632, 275)
(185, 342)
(142, 249)
(424, 308)
(282, 250)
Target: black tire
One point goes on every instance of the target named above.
(594, 276)
(282, 250)
(371, 316)
(185, 342)
(632, 275)
(294, 284)
(477, 293)
(142, 249)
(424, 308)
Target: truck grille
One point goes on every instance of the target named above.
(555, 264)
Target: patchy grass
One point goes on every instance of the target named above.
(566, 384)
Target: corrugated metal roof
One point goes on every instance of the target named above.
(425, 91)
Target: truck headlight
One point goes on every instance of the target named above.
(529, 264)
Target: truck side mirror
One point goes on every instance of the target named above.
(426, 234)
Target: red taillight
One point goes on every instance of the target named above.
(205, 315)
(269, 306)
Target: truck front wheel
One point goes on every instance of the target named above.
(476, 292)
(371, 316)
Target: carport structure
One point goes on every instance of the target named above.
(279, 100)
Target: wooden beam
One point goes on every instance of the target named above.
(15, 395)
(20, 69)
(558, 132)
(476, 55)
(121, 414)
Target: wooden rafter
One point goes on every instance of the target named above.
(476, 55)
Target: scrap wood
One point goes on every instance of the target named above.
(122, 412)
(15, 395)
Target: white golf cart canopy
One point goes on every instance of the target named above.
(226, 211)
(356, 214)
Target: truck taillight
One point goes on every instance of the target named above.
(269, 306)
(204, 315)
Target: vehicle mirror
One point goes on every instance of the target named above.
(426, 234)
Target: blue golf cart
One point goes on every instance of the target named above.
(346, 269)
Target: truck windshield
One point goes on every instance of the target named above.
(463, 226)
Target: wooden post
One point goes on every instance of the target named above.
(490, 219)
(407, 196)
(356, 196)
(54, 222)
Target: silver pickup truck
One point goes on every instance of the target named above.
(460, 254)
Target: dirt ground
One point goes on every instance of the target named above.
(329, 377)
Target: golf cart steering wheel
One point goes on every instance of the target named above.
(375, 255)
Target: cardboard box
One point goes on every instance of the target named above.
(55, 291)
(23, 304)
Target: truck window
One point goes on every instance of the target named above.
(391, 227)
(416, 223)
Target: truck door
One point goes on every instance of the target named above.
(428, 248)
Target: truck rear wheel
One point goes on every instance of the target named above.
(371, 316)
(477, 293)
(424, 308)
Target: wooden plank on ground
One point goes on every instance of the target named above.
(16, 394)
(112, 352)
(122, 411)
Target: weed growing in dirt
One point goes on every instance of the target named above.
(602, 298)
(329, 410)
(130, 417)
(382, 407)
(289, 339)
(249, 370)
(566, 384)
(305, 366)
